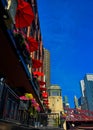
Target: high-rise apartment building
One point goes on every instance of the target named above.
(46, 64)
(87, 102)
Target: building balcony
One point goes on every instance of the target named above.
(13, 65)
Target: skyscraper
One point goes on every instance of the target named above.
(65, 102)
(83, 97)
(76, 102)
(82, 87)
(87, 95)
(88, 80)
(47, 67)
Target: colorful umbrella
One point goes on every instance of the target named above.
(43, 88)
(44, 94)
(46, 102)
(33, 44)
(42, 82)
(36, 63)
(38, 73)
(24, 14)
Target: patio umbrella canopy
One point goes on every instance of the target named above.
(42, 82)
(33, 44)
(36, 63)
(38, 73)
(43, 88)
(47, 103)
(24, 14)
(44, 94)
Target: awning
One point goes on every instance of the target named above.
(42, 82)
(44, 94)
(43, 88)
(38, 73)
(36, 63)
(24, 14)
(33, 44)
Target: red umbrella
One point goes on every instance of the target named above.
(24, 14)
(42, 82)
(43, 88)
(47, 103)
(38, 73)
(33, 44)
(36, 63)
(45, 99)
(44, 94)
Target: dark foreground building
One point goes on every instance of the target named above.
(21, 62)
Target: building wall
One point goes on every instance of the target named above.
(55, 104)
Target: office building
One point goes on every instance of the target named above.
(88, 80)
(87, 95)
(65, 102)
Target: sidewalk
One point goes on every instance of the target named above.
(9, 126)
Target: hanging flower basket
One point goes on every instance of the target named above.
(20, 39)
(22, 45)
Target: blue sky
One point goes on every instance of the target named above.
(67, 32)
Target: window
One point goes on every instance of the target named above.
(55, 93)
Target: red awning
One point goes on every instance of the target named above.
(36, 63)
(43, 88)
(33, 44)
(44, 94)
(42, 82)
(24, 14)
(38, 73)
